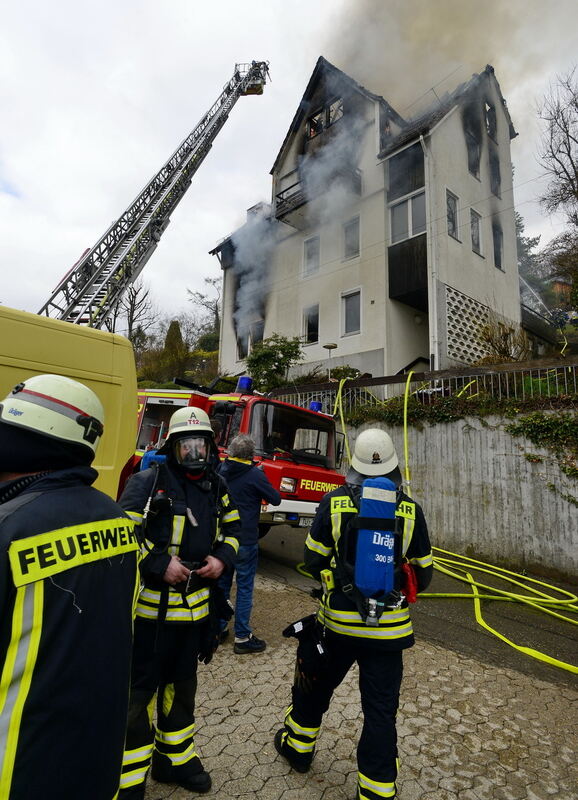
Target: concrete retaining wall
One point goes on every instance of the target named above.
(481, 495)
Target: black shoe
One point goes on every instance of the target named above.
(288, 754)
(251, 645)
(190, 776)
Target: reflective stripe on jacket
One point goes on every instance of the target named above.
(190, 530)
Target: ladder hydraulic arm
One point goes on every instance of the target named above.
(90, 292)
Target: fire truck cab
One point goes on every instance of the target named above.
(299, 449)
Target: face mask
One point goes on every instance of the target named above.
(191, 451)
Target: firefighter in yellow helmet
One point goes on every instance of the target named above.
(352, 625)
(190, 535)
(68, 576)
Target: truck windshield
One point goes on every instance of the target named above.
(296, 434)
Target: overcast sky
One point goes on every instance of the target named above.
(95, 96)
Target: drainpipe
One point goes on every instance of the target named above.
(432, 264)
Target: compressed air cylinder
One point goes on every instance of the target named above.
(375, 556)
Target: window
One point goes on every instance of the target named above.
(248, 338)
(406, 172)
(311, 324)
(311, 255)
(408, 218)
(335, 111)
(324, 118)
(490, 119)
(351, 309)
(452, 214)
(351, 238)
(242, 344)
(474, 153)
(475, 228)
(498, 237)
(495, 177)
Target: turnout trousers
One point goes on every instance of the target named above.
(164, 668)
(380, 674)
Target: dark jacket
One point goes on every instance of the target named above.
(68, 576)
(338, 612)
(200, 521)
(248, 486)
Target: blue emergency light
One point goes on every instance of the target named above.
(315, 405)
(245, 385)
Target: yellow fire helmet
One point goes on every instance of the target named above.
(57, 407)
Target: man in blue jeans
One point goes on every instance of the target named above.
(248, 487)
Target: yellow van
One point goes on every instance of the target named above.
(32, 345)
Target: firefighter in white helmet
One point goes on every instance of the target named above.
(350, 626)
(68, 576)
(190, 535)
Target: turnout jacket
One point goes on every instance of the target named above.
(201, 521)
(68, 580)
(248, 486)
(337, 612)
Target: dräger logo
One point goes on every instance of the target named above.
(15, 412)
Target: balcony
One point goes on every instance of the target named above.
(296, 204)
(407, 265)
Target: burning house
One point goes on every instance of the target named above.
(393, 238)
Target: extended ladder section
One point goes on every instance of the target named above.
(91, 290)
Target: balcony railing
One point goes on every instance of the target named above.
(290, 201)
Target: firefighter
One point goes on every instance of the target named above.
(68, 581)
(190, 535)
(345, 632)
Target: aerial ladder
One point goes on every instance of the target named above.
(90, 292)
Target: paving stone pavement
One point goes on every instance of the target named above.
(467, 730)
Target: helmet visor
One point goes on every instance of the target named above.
(191, 451)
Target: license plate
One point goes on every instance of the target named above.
(305, 522)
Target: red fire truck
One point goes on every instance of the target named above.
(298, 448)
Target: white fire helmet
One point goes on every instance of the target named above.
(57, 407)
(189, 420)
(374, 453)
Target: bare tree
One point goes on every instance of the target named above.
(210, 302)
(559, 145)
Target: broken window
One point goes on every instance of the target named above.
(257, 331)
(476, 228)
(408, 218)
(474, 152)
(490, 120)
(495, 176)
(334, 111)
(406, 172)
(311, 324)
(351, 238)
(351, 312)
(452, 214)
(314, 125)
(311, 255)
(498, 238)
(324, 118)
(242, 344)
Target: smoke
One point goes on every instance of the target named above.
(328, 174)
(409, 51)
(254, 244)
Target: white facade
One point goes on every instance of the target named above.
(372, 242)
